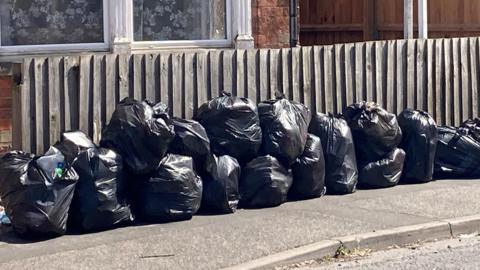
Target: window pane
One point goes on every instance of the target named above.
(179, 20)
(32, 22)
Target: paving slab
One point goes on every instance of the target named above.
(212, 242)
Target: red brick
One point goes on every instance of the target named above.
(266, 3)
(271, 23)
(5, 124)
(5, 148)
(6, 114)
(5, 93)
(262, 39)
(5, 82)
(5, 103)
(283, 3)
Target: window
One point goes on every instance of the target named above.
(182, 23)
(40, 22)
(179, 20)
(53, 26)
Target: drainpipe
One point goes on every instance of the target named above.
(293, 23)
(422, 19)
(408, 19)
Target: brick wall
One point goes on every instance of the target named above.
(5, 113)
(270, 22)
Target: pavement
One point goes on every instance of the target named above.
(460, 253)
(213, 242)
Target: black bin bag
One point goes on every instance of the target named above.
(191, 140)
(284, 128)
(457, 156)
(37, 192)
(73, 143)
(341, 174)
(233, 126)
(172, 193)
(472, 126)
(419, 141)
(220, 189)
(309, 171)
(99, 201)
(141, 133)
(265, 182)
(375, 131)
(383, 173)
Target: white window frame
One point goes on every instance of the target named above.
(207, 43)
(118, 33)
(59, 48)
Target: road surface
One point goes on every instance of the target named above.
(462, 253)
(213, 242)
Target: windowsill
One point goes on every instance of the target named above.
(19, 57)
(137, 48)
(16, 53)
(180, 45)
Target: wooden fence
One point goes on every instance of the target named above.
(69, 93)
(341, 21)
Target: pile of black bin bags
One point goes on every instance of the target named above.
(376, 136)
(150, 167)
(341, 174)
(419, 141)
(458, 154)
(36, 192)
(99, 200)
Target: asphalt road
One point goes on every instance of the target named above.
(462, 253)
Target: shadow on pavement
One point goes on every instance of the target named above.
(7, 235)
